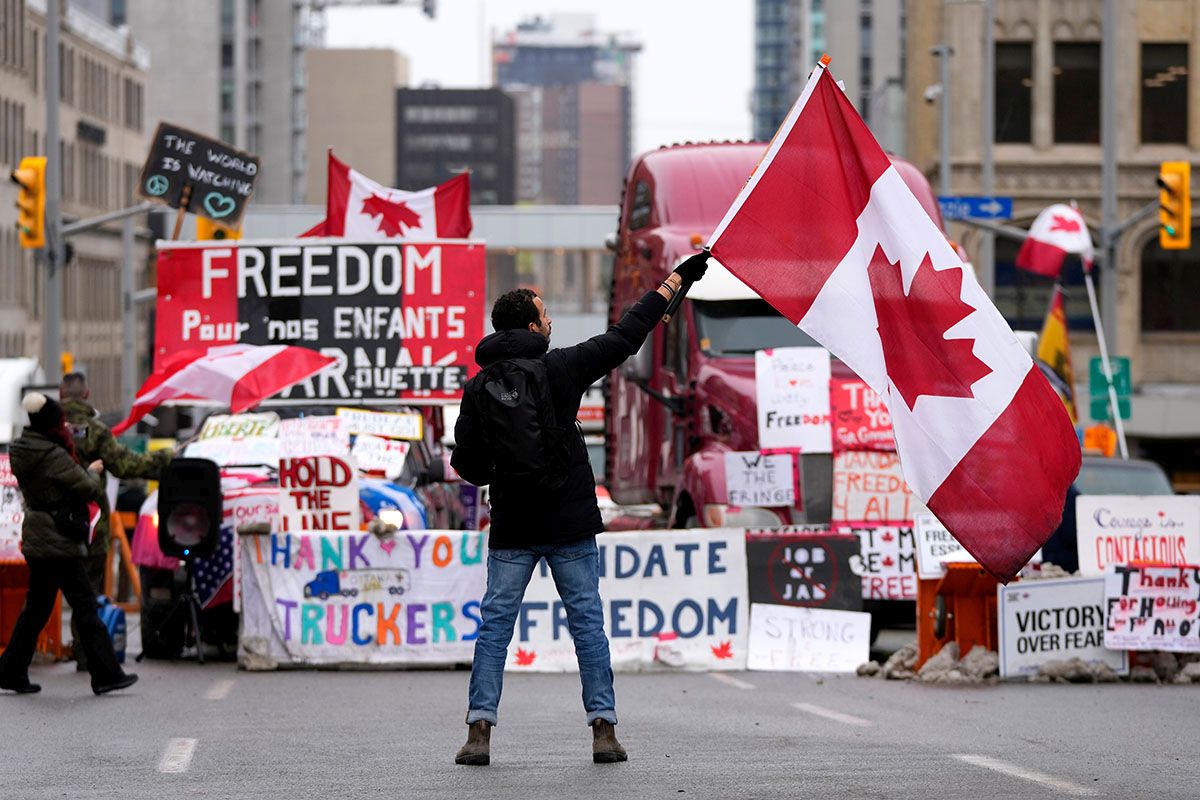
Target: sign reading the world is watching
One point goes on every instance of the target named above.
(197, 174)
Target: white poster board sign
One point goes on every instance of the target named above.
(313, 436)
(792, 386)
(870, 487)
(390, 425)
(12, 513)
(758, 479)
(1152, 608)
(887, 562)
(937, 547)
(672, 600)
(796, 639)
(238, 439)
(318, 493)
(376, 454)
(1049, 620)
(1127, 529)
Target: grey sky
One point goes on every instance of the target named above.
(693, 76)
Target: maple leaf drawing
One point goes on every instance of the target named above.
(1065, 224)
(887, 536)
(912, 327)
(887, 561)
(525, 657)
(395, 218)
(723, 650)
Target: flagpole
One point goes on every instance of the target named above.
(1112, 390)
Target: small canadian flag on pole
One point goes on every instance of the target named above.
(827, 231)
(360, 208)
(1059, 230)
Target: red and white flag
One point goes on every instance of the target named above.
(1057, 231)
(360, 208)
(827, 232)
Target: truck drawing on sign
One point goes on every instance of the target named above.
(350, 583)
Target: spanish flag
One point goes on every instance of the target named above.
(1054, 352)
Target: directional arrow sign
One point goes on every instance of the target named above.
(975, 207)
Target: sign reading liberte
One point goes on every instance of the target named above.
(198, 174)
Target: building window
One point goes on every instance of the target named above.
(1170, 286)
(1164, 93)
(1077, 92)
(1014, 92)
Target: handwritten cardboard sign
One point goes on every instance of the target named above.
(792, 387)
(791, 639)
(1049, 620)
(888, 561)
(238, 439)
(860, 419)
(389, 425)
(758, 479)
(1152, 608)
(12, 512)
(318, 493)
(221, 178)
(1128, 529)
(313, 436)
(869, 487)
(804, 569)
(376, 454)
(937, 547)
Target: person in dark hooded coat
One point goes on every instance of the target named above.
(56, 491)
(552, 516)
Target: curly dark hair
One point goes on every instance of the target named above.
(514, 310)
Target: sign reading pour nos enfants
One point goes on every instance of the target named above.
(201, 175)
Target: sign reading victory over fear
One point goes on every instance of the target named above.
(402, 319)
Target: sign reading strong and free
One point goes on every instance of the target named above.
(402, 319)
(221, 178)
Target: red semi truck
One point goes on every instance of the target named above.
(674, 409)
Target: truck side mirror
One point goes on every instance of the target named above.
(639, 367)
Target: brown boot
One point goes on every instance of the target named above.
(605, 747)
(477, 751)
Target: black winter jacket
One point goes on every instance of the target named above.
(522, 515)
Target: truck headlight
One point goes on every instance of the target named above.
(719, 515)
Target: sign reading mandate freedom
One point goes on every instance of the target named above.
(401, 318)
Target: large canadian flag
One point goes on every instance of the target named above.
(828, 232)
(360, 208)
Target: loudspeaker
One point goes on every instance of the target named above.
(189, 508)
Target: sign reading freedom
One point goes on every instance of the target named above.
(402, 319)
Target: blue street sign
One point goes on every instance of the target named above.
(972, 207)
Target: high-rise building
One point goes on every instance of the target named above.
(573, 88)
(442, 132)
(352, 108)
(865, 39)
(103, 137)
(233, 69)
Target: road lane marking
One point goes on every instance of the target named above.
(178, 755)
(730, 680)
(828, 713)
(220, 690)
(1003, 767)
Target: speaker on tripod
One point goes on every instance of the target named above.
(189, 526)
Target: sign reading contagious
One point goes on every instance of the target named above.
(401, 319)
(201, 175)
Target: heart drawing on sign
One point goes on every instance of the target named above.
(219, 205)
(388, 545)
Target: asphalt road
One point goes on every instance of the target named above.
(188, 730)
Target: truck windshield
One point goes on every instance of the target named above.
(1122, 477)
(739, 327)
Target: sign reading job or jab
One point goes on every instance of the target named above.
(353, 598)
(402, 320)
(672, 600)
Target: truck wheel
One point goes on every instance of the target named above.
(324, 595)
(351, 593)
(940, 617)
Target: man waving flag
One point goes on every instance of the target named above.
(828, 232)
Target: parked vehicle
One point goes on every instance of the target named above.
(688, 396)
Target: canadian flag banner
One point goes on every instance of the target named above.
(827, 231)
(1058, 230)
(360, 208)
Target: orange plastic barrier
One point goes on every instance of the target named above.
(14, 580)
(119, 523)
(958, 607)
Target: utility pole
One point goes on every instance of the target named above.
(986, 269)
(943, 52)
(1108, 187)
(52, 325)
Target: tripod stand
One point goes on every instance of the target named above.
(187, 599)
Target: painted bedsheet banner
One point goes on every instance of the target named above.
(672, 600)
(353, 598)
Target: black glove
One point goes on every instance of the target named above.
(694, 267)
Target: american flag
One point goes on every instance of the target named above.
(214, 574)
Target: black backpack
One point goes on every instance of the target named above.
(517, 419)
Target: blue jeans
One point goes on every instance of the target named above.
(575, 567)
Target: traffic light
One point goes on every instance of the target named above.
(30, 175)
(1175, 205)
(207, 229)
(67, 360)
(429, 7)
